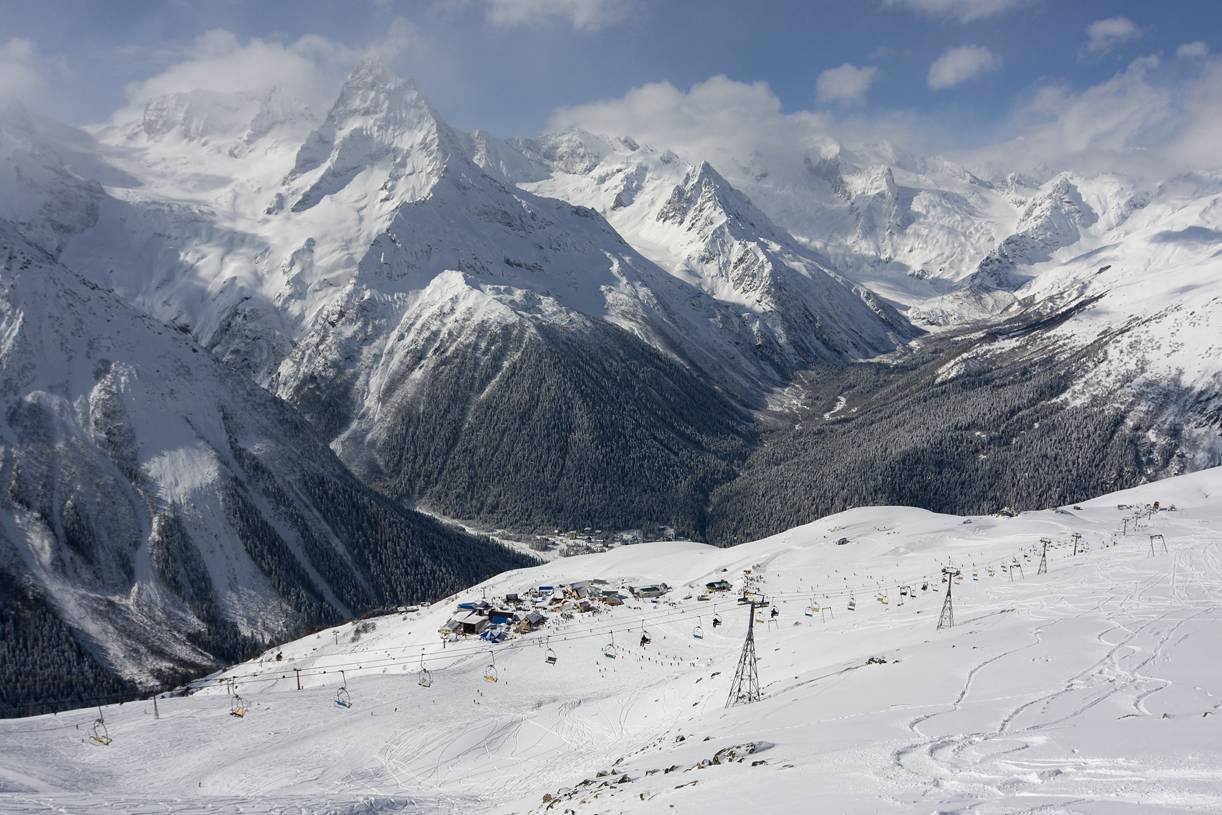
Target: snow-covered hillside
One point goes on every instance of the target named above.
(438, 323)
(1089, 689)
(1139, 273)
(693, 223)
(163, 508)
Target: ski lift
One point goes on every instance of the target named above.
(342, 697)
(490, 674)
(852, 603)
(903, 591)
(550, 658)
(237, 708)
(100, 734)
(609, 648)
(426, 676)
(716, 621)
(812, 608)
(698, 631)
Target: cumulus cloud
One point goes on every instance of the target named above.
(707, 122)
(1147, 120)
(1104, 35)
(847, 83)
(963, 11)
(742, 129)
(961, 64)
(1192, 50)
(583, 15)
(309, 68)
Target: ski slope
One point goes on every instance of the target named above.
(1093, 688)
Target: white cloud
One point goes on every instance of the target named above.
(741, 127)
(963, 11)
(847, 83)
(1104, 35)
(704, 123)
(583, 15)
(309, 68)
(1148, 120)
(1192, 50)
(24, 72)
(961, 64)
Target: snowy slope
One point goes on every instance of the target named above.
(167, 509)
(1140, 271)
(1089, 689)
(694, 224)
(909, 227)
(357, 265)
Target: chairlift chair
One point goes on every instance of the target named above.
(426, 676)
(550, 659)
(100, 734)
(490, 674)
(342, 697)
(852, 603)
(698, 631)
(237, 707)
(716, 620)
(609, 648)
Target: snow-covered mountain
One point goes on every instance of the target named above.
(484, 327)
(909, 227)
(440, 324)
(160, 512)
(694, 224)
(1091, 688)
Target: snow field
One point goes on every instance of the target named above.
(1090, 689)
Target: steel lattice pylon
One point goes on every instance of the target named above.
(746, 685)
(1043, 569)
(947, 620)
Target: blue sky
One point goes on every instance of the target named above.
(509, 65)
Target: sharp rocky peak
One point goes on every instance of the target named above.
(380, 122)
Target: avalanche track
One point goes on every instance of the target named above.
(1093, 688)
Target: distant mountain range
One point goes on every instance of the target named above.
(358, 315)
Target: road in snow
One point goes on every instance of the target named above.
(1092, 689)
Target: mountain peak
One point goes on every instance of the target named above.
(380, 123)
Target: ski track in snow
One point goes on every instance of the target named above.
(1092, 689)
